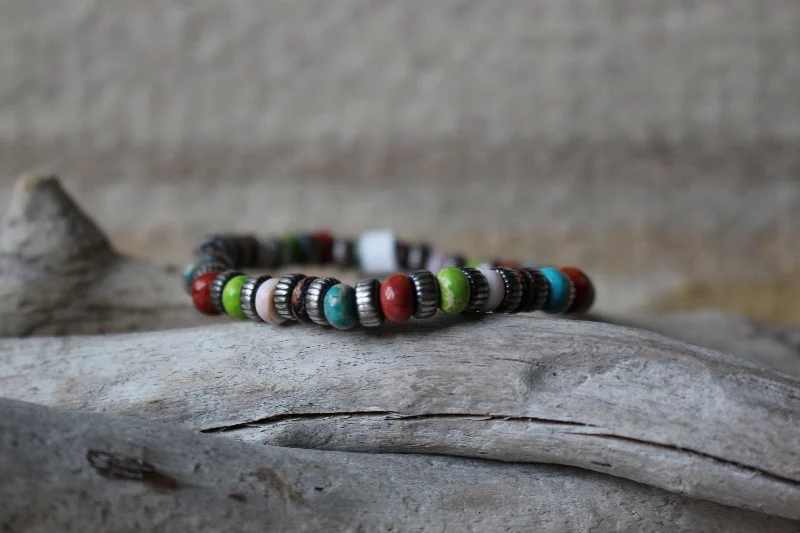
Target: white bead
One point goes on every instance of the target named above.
(436, 261)
(497, 289)
(376, 252)
(265, 302)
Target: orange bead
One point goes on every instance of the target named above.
(397, 298)
(201, 293)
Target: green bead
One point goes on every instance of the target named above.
(291, 245)
(230, 297)
(474, 262)
(453, 290)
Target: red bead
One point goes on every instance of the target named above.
(397, 298)
(201, 293)
(584, 290)
(325, 241)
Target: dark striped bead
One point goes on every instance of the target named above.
(401, 250)
(418, 256)
(310, 250)
(315, 299)
(540, 290)
(344, 253)
(426, 293)
(283, 295)
(299, 300)
(478, 289)
(218, 285)
(248, 296)
(368, 303)
(513, 290)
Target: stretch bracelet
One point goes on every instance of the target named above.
(429, 281)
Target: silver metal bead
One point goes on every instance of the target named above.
(541, 290)
(513, 288)
(315, 298)
(283, 295)
(269, 253)
(418, 256)
(478, 289)
(426, 293)
(368, 303)
(248, 296)
(218, 285)
(344, 253)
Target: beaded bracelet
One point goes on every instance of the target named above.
(460, 285)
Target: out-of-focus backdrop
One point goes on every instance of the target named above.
(656, 142)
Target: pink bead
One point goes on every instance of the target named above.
(265, 302)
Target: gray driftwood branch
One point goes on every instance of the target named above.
(77, 472)
(616, 400)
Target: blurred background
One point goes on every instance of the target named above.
(654, 142)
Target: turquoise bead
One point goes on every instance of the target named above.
(340, 306)
(558, 299)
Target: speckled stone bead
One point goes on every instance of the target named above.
(512, 286)
(231, 297)
(344, 253)
(397, 298)
(201, 293)
(454, 291)
(283, 294)
(418, 256)
(265, 303)
(561, 291)
(584, 290)
(478, 289)
(340, 307)
(540, 290)
(247, 298)
(368, 303)
(315, 299)
(299, 300)
(218, 285)
(426, 293)
(497, 289)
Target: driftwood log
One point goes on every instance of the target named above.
(83, 472)
(612, 399)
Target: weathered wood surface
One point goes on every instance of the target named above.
(76, 472)
(612, 399)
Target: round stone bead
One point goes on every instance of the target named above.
(201, 293)
(315, 299)
(497, 290)
(265, 302)
(397, 298)
(283, 294)
(299, 300)
(478, 290)
(198, 268)
(325, 240)
(561, 292)
(512, 286)
(231, 297)
(247, 297)
(584, 290)
(426, 293)
(540, 290)
(340, 306)
(368, 303)
(218, 285)
(454, 291)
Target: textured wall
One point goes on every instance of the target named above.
(656, 141)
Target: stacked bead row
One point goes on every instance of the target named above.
(377, 252)
(453, 290)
